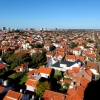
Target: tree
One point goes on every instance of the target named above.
(41, 87)
(74, 45)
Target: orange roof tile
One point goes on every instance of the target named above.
(31, 82)
(84, 82)
(17, 68)
(1, 88)
(60, 49)
(7, 98)
(70, 57)
(75, 69)
(89, 72)
(2, 66)
(14, 95)
(70, 91)
(92, 65)
(75, 96)
(50, 53)
(44, 70)
(53, 95)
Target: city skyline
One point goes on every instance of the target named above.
(66, 14)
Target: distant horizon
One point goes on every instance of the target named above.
(66, 14)
(52, 28)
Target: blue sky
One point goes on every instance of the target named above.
(67, 14)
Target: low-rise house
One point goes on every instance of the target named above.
(51, 95)
(50, 54)
(49, 47)
(35, 75)
(12, 95)
(31, 84)
(77, 51)
(4, 89)
(64, 65)
(81, 46)
(90, 54)
(70, 58)
(22, 68)
(92, 45)
(79, 72)
(3, 66)
(58, 56)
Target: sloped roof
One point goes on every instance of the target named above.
(1, 88)
(14, 95)
(31, 82)
(53, 95)
(2, 65)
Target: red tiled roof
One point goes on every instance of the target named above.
(44, 70)
(89, 72)
(60, 49)
(84, 82)
(53, 95)
(1, 88)
(75, 96)
(70, 57)
(70, 91)
(92, 65)
(17, 68)
(2, 66)
(75, 69)
(31, 82)
(14, 95)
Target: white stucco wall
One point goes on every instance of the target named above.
(44, 75)
(30, 88)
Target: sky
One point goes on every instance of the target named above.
(63, 14)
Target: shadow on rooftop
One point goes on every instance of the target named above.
(92, 92)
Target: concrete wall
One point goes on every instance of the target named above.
(30, 88)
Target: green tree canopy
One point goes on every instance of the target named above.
(41, 87)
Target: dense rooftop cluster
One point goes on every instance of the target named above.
(63, 72)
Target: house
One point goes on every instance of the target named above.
(77, 88)
(44, 71)
(77, 51)
(49, 47)
(2, 66)
(92, 45)
(50, 54)
(31, 84)
(52, 61)
(79, 72)
(90, 54)
(22, 68)
(81, 46)
(12, 95)
(4, 89)
(70, 58)
(93, 67)
(74, 57)
(58, 56)
(51, 95)
(64, 65)
(35, 75)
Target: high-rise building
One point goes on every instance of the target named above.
(8, 29)
(3, 28)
